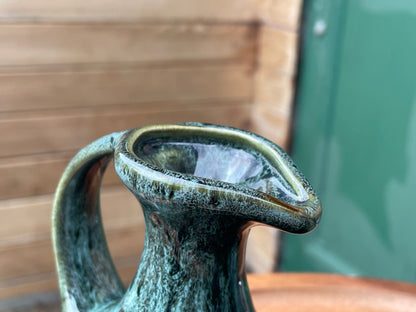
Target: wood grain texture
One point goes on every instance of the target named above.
(289, 292)
(51, 131)
(262, 248)
(277, 50)
(295, 292)
(39, 257)
(272, 110)
(72, 71)
(283, 14)
(29, 219)
(21, 176)
(272, 102)
(274, 85)
(30, 44)
(35, 90)
(128, 10)
(25, 235)
(274, 90)
(40, 284)
(272, 125)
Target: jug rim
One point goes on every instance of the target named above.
(159, 184)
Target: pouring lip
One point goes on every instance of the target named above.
(163, 185)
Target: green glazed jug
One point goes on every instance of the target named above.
(201, 188)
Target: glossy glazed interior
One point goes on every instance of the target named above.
(179, 164)
(221, 160)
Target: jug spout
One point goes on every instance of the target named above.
(224, 170)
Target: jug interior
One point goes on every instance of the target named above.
(215, 159)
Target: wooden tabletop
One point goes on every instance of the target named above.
(292, 292)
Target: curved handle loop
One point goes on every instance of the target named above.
(87, 277)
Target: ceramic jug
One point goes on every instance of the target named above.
(201, 188)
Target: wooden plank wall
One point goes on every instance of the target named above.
(274, 83)
(72, 71)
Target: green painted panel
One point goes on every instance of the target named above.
(355, 138)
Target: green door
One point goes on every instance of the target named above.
(355, 138)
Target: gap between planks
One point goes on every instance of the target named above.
(99, 67)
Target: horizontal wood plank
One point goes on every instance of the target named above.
(29, 219)
(29, 44)
(277, 50)
(38, 174)
(280, 13)
(25, 232)
(271, 125)
(26, 286)
(86, 88)
(47, 282)
(63, 131)
(283, 14)
(274, 90)
(39, 257)
(128, 10)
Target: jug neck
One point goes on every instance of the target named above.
(192, 261)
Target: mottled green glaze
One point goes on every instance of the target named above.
(201, 188)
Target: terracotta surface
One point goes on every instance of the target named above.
(292, 292)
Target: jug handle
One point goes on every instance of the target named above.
(86, 273)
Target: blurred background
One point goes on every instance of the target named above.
(355, 137)
(333, 82)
